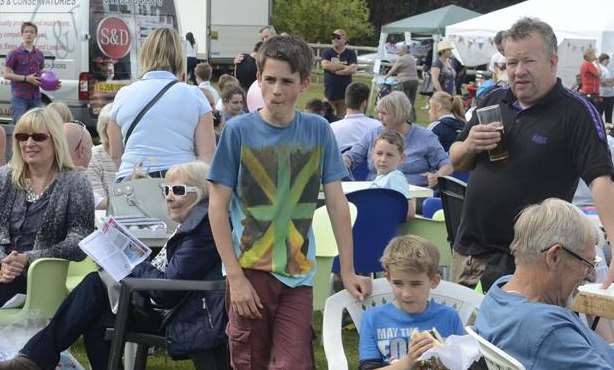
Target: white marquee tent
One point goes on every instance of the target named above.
(577, 24)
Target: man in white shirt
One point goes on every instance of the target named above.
(355, 124)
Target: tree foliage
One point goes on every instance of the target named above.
(314, 20)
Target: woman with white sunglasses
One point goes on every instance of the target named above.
(196, 329)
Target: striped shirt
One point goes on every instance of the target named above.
(101, 172)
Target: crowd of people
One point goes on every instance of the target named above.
(242, 184)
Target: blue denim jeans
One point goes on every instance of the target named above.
(20, 105)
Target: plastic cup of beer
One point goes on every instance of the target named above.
(492, 115)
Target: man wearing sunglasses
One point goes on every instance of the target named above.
(339, 64)
(79, 143)
(526, 313)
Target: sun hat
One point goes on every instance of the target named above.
(444, 45)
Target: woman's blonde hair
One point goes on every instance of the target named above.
(35, 120)
(104, 117)
(63, 110)
(449, 104)
(396, 104)
(192, 174)
(162, 51)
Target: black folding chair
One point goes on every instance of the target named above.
(452, 197)
(120, 334)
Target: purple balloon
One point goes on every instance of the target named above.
(49, 81)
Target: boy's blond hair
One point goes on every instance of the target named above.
(411, 253)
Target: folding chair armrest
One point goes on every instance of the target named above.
(135, 284)
(131, 285)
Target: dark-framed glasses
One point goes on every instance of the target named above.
(178, 190)
(589, 265)
(36, 136)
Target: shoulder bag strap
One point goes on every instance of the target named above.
(146, 108)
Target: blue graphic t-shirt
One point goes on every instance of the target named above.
(385, 330)
(275, 174)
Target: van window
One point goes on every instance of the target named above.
(57, 33)
(117, 30)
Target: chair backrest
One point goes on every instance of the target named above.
(452, 192)
(430, 206)
(326, 251)
(435, 232)
(380, 213)
(463, 299)
(326, 245)
(77, 271)
(496, 358)
(81, 268)
(361, 172)
(46, 286)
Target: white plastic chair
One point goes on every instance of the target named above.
(496, 358)
(464, 300)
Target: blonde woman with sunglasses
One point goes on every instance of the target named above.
(196, 329)
(47, 206)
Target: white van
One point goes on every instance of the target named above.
(92, 45)
(223, 28)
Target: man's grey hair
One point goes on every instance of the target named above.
(553, 221)
(270, 28)
(524, 27)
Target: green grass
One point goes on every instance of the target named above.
(160, 361)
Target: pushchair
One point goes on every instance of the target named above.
(384, 87)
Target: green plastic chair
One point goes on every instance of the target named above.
(77, 271)
(435, 231)
(326, 251)
(46, 291)
(478, 288)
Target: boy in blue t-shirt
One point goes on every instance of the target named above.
(387, 155)
(266, 175)
(410, 266)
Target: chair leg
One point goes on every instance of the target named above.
(130, 350)
(140, 361)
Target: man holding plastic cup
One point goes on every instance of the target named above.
(551, 138)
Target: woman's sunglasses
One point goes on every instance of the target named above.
(179, 190)
(37, 136)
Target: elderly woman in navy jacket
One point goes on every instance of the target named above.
(197, 325)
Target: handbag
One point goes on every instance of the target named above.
(143, 196)
(140, 197)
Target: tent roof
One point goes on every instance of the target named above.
(433, 22)
(581, 19)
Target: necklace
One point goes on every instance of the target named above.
(31, 195)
